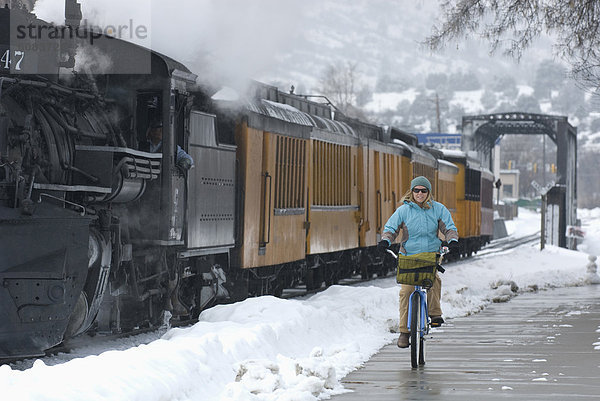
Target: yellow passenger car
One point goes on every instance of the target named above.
(468, 200)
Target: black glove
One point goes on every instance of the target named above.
(454, 247)
(184, 163)
(383, 245)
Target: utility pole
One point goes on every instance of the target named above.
(437, 113)
(544, 160)
(543, 222)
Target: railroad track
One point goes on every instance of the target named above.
(87, 344)
(507, 243)
(76, 347)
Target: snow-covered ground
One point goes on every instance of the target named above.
(273, 349)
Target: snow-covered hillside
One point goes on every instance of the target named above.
(294, 42)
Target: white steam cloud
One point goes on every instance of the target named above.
(229, 41)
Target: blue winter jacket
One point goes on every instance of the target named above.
(419, 227)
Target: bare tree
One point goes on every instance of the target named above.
(339, 82)
(512, 26)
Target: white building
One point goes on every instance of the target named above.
(510, 184)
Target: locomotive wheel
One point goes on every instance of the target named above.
(313, 279)
(383, 270)
(276, 288)
(331, 276)
(238, 291)
(366, 272)
(78, 316)
(309, 280)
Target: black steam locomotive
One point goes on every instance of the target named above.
(92, 227)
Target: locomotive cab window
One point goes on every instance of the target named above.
(152, 125)
(148, 113)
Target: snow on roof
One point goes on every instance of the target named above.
(286, 112)
(453, 153)
(279, 111)
(447, 163)
(401, 143)
(487, 174)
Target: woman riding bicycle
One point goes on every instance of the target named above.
(419, 219)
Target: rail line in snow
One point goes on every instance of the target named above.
(86, 345)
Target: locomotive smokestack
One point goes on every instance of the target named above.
(73, 14)
(73, 18)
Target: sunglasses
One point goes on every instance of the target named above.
(421, 190)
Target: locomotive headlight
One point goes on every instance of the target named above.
(56, 293)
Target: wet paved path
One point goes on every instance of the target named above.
(535, 347)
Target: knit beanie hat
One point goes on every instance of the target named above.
(420, 181)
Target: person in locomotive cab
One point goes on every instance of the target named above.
(154, 136)
(417, 221)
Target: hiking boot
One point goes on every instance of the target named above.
(403, 340)
(436, 321)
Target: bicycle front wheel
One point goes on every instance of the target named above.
(416, 342)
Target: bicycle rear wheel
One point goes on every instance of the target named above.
(416, 343)
(422, 350)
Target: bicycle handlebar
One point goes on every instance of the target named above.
(443, 251)
(392, 253)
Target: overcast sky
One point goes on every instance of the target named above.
(287, 40)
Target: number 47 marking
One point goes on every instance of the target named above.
(6, 59)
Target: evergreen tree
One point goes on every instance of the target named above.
(506, 85)
(488, 100)
(436, 81)
(463, 81)
(570, 100)
(549, 76)
(528, 104)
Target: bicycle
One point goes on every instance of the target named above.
(423, 274)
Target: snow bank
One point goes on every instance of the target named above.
(273, 349)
